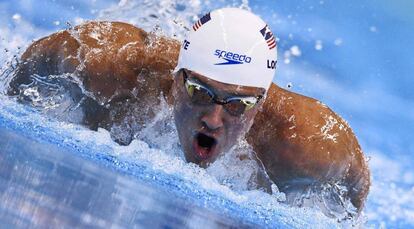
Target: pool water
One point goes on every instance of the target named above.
(62, 175)
(43, 185)
(354, 56)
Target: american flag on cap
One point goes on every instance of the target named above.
(201, 21)
(268, 36)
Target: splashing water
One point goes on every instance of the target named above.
(156, 144)
(236, 174)
(219, 178)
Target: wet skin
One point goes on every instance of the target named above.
(214, 121)
(300, 141)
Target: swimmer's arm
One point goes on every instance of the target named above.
(106, 56)
(297, 137)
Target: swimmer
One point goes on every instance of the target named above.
(219, 82)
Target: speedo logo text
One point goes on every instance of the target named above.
(231, 57)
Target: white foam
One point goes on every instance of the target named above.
(387, 200)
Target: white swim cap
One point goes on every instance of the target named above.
(233, 46)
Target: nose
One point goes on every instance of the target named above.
(213, 119)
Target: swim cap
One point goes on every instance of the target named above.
(233, 46)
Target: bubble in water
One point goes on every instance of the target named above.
(79, 20)
(17, 17)
(295, 50)
(338, 41)
(318, 45)
(286, 55)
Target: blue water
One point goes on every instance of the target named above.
(45, 186)
(355, 56)
(49, 184)
(50, 173)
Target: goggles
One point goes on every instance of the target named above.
(202, 95)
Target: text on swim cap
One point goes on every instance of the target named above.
(231, 57)
(186, 44)
(271, 64)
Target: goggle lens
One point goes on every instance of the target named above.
(200, 95)
(235, 107)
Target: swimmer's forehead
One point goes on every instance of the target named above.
(224, 88)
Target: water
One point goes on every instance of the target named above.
(44, 186)
(104, 183)
(357, 60)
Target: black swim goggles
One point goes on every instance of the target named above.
(202, 95)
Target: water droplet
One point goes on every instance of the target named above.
(318, 45)
(17, 17)
(295, 51)
(338, 41)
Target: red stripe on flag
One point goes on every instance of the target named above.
(270, 44)
(274, 45)
(271, 40)
(196, 26)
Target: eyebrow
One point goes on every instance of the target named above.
(194, 76)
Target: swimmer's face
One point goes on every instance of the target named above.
(205, 128)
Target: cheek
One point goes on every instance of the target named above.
(182, 125)
(235, 129)
(239, 126)
(184, 114)
(248, 120)
(179, 113)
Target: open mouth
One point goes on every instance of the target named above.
(204, 145)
